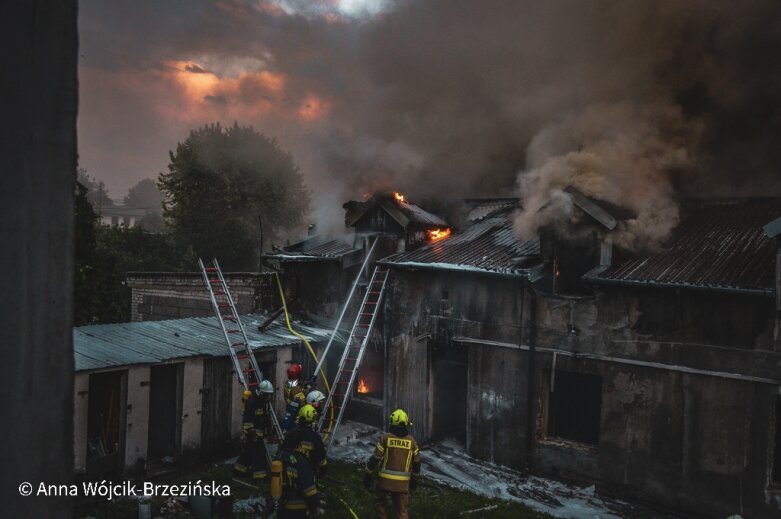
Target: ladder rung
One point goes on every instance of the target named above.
(210, 269)
(215, 281)
(238, 344)
(223, 305)
(228, 318)
(251, 384)
(232, 331)
(248, 370)
(366, 313)
(370, 303)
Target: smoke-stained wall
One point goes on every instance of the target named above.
(684, 420)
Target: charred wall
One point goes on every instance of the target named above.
(426, 314)
(319, 288)
(680, 416)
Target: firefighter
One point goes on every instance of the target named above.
(299, 493)
(255, 424)
(396, 460)
(312, 444)
(316, 398)
(294, 395)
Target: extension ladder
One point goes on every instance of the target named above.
(235, 336)
(353, 352)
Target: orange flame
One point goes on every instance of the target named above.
(398, 196)
(438, 234)
(362, 387)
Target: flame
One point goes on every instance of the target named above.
(362, 387)
(438, 234)
(398, 196)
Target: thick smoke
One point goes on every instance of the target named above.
(639, 103)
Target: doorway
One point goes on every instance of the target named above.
(216, 405)
(105, 423)
(449, 392)
(165, 410)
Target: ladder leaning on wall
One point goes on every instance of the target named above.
(344, 381)
(249, 374)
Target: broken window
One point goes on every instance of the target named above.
(776, 476)
(574, 406)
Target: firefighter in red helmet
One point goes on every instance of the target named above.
(295, 396)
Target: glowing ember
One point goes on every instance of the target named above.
(398, 196)
(438, 234)
(362, 387)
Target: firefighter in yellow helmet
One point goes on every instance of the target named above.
(396, 464)
(312, 444)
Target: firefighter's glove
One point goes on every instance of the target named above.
(367, 481)
(413, 484)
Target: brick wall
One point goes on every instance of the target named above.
(157, 296)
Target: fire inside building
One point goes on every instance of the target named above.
(655, 376)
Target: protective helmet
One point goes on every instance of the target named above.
(399, 417)
(246, 394)
(307, 414)
(265, 387)
(294, 371)
(315, 398)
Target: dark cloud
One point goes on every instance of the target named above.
(456, 97)
(195, 69)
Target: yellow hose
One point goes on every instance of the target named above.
(308, 346)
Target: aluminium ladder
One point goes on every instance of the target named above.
(353, 353)
(235, 336)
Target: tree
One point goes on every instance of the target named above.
(145, 195)
(230, 192)
(104, 255)
(97, 194)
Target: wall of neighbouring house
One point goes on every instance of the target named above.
(172, 295)
(668, 432)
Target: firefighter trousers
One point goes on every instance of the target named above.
(253, 455)
(400, 503)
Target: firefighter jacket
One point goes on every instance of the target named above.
(396, 459)
(312, 447)
(295, 399)
(248, 413)
(298, 484)
(261, 419)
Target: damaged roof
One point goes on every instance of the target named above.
(314, 250)
(485, 207)
(716, 246)
(487, 246)
(405, 213)
(103, 346)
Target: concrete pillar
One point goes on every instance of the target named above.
(80, 416)
(38, 150)
(137, 418)
(192, 384)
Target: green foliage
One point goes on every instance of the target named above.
(230, 192)
(104, 255)
(145, 195)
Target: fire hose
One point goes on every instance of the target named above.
(309, 347)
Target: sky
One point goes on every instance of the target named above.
(152, 71)
(641, 103)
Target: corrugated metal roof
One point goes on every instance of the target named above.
(489, 245)
(716, 246)
(488, 207)
(331, 250)
(108, 345)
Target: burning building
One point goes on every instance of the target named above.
(654, 375)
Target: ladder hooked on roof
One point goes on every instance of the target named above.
(344, 381)
(239, 348)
